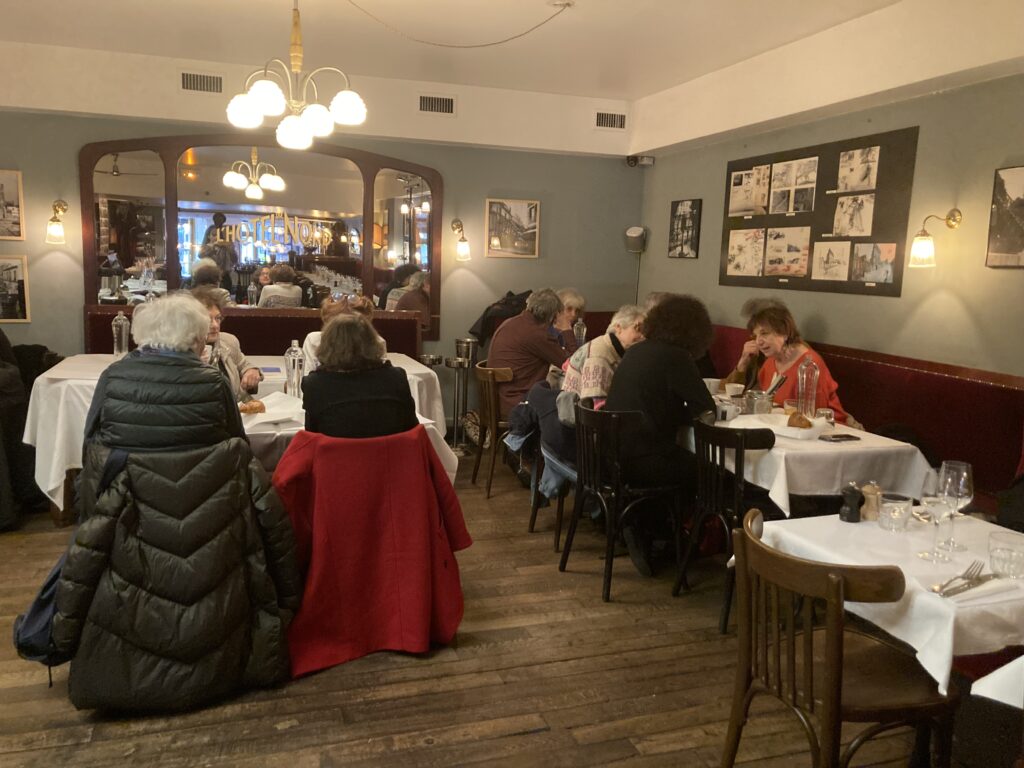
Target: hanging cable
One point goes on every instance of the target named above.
(563, 5)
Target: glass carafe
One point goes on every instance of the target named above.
(121, 326)
(807, 388)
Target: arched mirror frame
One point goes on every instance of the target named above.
(170, 149)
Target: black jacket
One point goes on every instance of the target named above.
(369, 403)
(180, 583)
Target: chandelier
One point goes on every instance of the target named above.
(306, 119)
(257, 176)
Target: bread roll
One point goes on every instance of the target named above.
(799, 421)
(253, 406)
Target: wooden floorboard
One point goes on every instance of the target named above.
(543, 673)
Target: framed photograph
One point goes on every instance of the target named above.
(12, 206)
(1006, 225)
(513, 228)
(684, 229)
(14, 289)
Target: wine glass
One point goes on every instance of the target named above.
(956, 487)
(936, 512)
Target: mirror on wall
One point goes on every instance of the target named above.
(246, 207)
(129, 221)
(335, 214)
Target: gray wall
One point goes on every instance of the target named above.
(960, 313)
(586, 203)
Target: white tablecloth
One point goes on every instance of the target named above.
(937, 628)
(817, 468)
(1005, 684)
(423, 383)
(55, 424)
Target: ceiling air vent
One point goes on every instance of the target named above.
(438, 105)
(611, 120)
(193, 81)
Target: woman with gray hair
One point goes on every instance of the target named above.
(528, 344)
(573, 305)
(354, 392)
(161, 396)
(588, 373)
(206, 274)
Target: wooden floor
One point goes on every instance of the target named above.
(543, 674)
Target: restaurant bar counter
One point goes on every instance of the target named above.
(267, 331)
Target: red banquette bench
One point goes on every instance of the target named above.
(958, 413)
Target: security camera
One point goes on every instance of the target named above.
(633, 161)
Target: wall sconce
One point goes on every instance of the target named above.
(462, 247)
(55, 226)
(922, 251)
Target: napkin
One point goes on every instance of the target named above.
(280, 408)
(995, 591)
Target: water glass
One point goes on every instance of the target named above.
(789, 407)
(956, 487)
(894, 512)
(1006, 554)
(936, 512)
(827, 414)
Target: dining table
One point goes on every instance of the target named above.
(985, 619)
(59, 405)
(813, 467)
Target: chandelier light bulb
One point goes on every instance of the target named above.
(292, 133)
(243, 112)
(235, 180)
(348, 108)
(405, 209)
(268, 97)
(425, 206)
(272, 182)
(253, 192)
(318, 120)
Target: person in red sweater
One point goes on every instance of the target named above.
(775, 336)
(529, 345)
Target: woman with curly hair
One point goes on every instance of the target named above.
(659, 378)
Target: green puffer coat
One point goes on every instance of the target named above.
(180, 583)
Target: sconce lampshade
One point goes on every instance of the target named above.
(55, 226)
(462, 249)
(922, 251)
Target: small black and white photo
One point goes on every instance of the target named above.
(858, 169)
(873, 262)
(14, 306)
(1006, 223)
(793, 184)
(684, 229)
(831, 261)
(748, 191)
(803, 200)
(781, 200)
(853, 216)
(12, 206)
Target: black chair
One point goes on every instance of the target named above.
(720, 491)
(599, 440)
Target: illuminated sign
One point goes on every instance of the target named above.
(277, 229)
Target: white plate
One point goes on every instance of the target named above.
(777, 423)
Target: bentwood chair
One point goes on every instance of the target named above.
(720, 492)
(599, 440)
(491, 422)
(829, 674)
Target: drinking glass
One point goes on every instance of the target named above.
(894, 512)
(956, 487)
(789, 407)
(1006, 554)
(937, 512)
(827, 414)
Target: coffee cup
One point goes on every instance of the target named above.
(734, 390)
(728, 411)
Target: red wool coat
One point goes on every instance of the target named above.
(376, 523)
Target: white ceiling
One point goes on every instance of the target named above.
(617, 49)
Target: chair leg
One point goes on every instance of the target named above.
(944, 741)
(562, 493)
(534, 493)
(494, 458)
(730, 584)
(612, 527)
(691, 545)
(737, 719)
(577, 508)
(479, 452)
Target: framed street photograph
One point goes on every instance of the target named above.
(1006, 225)
(12, 206)
(513, 228)
(14, 289)
(684, 229)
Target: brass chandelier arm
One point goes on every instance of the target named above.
(307, 80)
(268, 71)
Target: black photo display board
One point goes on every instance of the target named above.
(832, 217)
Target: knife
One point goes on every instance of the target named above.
(960, 588)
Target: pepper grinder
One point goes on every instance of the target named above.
(853, 499)
(872, 500)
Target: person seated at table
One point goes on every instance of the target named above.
(589, 371)
(529, 345)
(262, 279)
(417, 298)
(777, 338)
(359, 305)
(573, 305)
(222, 349)
(356, 392)
(182, 579)
(283, 292)
(748, 377)
(400, 279)
(704, 362)
(206, 274)
(660, 379)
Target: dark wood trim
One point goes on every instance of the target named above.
(170, 149)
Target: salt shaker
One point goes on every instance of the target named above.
(872, 500)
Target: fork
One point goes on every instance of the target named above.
(972, 571)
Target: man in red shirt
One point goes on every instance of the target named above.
(528, 345)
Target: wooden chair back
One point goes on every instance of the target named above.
(599, 436)
(777, 597)
(487, 381)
